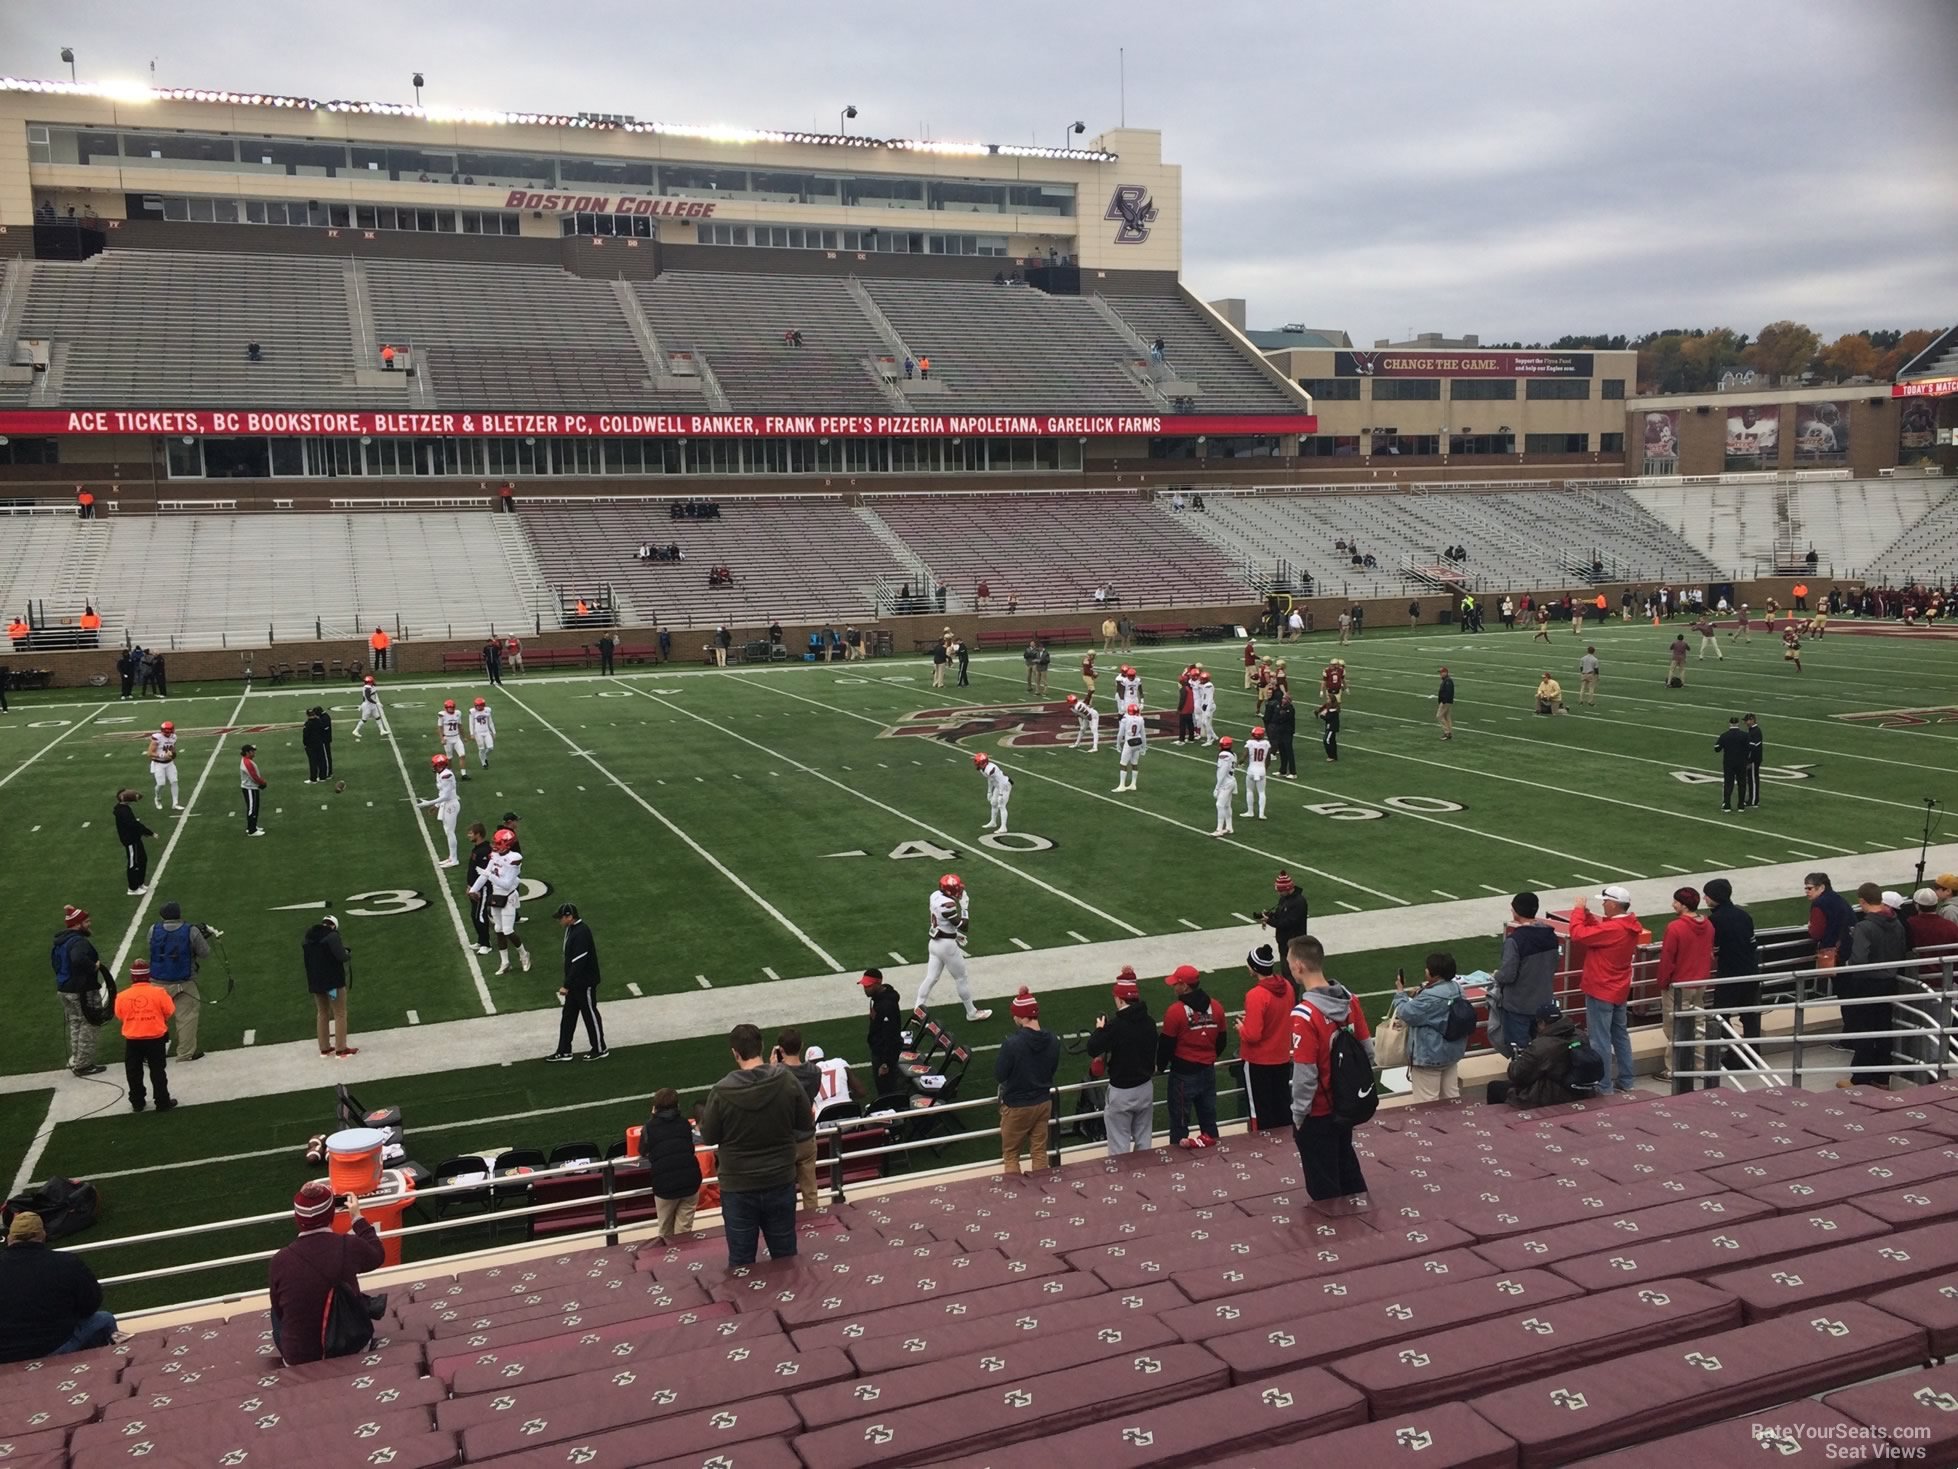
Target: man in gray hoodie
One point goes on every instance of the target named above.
(1332, 1168)
(754, 1115)
(1878, 937)
(1526, 978)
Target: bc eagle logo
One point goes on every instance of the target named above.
(1035, 723)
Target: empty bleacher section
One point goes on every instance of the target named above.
(1695, 1279)
(1747, 528)
(1516, 539)
(739, 322)
(140, 328)
(202, 580)
(805, 557)
(1053, 551)
(1011, 349)
(1849, 524)
(1197, 350)
(50, 562)
(525, 336)
(1926, 551)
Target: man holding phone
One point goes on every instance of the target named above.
(304, 1275)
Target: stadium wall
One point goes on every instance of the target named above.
(1702, 426)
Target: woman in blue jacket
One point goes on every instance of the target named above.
(1433, 1059)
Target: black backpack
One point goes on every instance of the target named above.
(66, 1206)
(1460, 1024)
(1586, 1067)
(1347, 1075)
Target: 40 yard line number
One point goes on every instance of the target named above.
(999, 841)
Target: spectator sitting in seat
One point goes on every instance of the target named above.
(666, 1142)
(54, 1305)
(1368, 562)
(1540, 1074)
(253, 353)
(306, 1273)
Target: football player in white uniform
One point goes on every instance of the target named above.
(370, 707)
(1128, 687)
(951, 911)
(500, 879)
(1257, 765)
(999, 790)
(448, 734)
(163, 763)
(482, 725)
(1206, 707)
(1131, 740)
(447, 804)
(1087, 721)
(1225, 786)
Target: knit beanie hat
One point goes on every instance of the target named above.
(172, 911)
(312, 1206)
(139, 970)
(1687, 897)
(27, 1225)
(1262, 960)
(1126, 988)
(1025, 1006)
(1283, 883)
(73, 918)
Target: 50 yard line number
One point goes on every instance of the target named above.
(1415, 805)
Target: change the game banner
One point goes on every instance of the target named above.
(204, 422)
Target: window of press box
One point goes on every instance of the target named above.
(680, 178)
(1556, 443)
(1614, 387)
(30, 451)
(1387, 442)
(1611, 443)
(1329, 446)
(638, 226)
(613, 173)
(163, 149)
(1407, 390)
(1560, 387)
(1483, 390)
(1482, 443)
(1332, 389)
(291, 156)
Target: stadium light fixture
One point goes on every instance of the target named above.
(1072, 131)
(843, 120)
(68, 55)
(418, 88)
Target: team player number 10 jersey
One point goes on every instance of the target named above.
(948, 915)
(1256, 753)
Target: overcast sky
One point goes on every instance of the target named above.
(1514, 169)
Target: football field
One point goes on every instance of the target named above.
(720, 829)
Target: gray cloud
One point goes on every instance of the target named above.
(1512, 167)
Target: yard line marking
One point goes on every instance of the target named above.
(1586, 877)
(1879, 844)
(72, 729)
(942, 836)
(33, 829)
(86, 825)
(1349, 907)
(1670, 868)
(1020, 944)
(1440, 894)
(1487, 889)
(1244, 918)
(896, 957)
(1764, 861)
(464, 943)
(1187, 924)
(1536, 882)
(1079, 938)
(699, 851)
(632, 988)
(701, 980)
(251, 1037)
(769, 972)
(39, 1145)
(414, 1017)
(1802, 856)
(1716, 863)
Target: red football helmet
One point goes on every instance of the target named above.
(504, 839)
(448, 706)
(439, 762)
(1224, 743)
(1135, 708)
(369, 679)
(1257, 731)
(1072, 701)
(950, 885)
(167, 727)
(980, 761)
(482, 703)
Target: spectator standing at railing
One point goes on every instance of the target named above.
(1325, 1140)
(1128, 1039)
(1025, 1068)
(1434, 1059)
(1609, 944)
(1526, 978)
(754, 1115)
(808, 1076)
(672, 1166)
(1193, 1040)
(1929, 929)
(1829, 917)
(1736, 958)
(377, 645)
(1945, 885)
(1264, 1039)
(1878, 938)
(1685, 963)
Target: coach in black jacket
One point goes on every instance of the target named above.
(1734, 956)
(580, 988)
(1282, 726)
(1128, 1039)
(886, 1038)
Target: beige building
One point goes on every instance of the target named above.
(1785, 430)
(1454, 404)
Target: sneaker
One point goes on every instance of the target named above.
(450, 863)
(1190, 1144)
(350, 1051)
(90, 1070)
(978, 1015)
(504, 967)
(167, 1104)
(481, 948)
(259, 833)
(598, 1055)
(560, 1056)
(136, 1106)
(523, 957)
(138, 892)
(193, 1056)
(1205, 1140)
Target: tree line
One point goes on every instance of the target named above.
(1693, 360)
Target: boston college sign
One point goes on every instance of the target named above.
(610, 204)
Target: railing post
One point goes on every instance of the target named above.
(836, 1168)
(611, 1205)
(1053, 1128)
(1801, 1018)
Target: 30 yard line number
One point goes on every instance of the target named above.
(1416, 805)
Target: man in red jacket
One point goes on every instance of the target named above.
(1685, 962)
(1264, 1040)
(1326, 1153)
(1609, 944)
(1193, 1037)
(304, 1274)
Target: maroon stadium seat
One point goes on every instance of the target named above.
(1916, 1412)
(1568, 1241)
(1268, 1415)
(615, 1346)
(1876, 1147)
(1433, 1367)
(1932, 1304)
(701, 1435)
(884, 1352)
(843, 1331)
(1300, 1298)
(1798, 1428)
(1328, 1335)
(1708, 1251)
(1562, 1415)
(1842, 1272)
(184, 1436)
(359, 1392)
(1450, 1436)
(1841, 1184)
(1208, 1282)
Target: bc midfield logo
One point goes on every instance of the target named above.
(1014, 725)
(1130, 203)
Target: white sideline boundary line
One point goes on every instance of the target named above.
(31, 1159)
(944, 836)
(73, 728)
(441, 878)
(699, 851)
